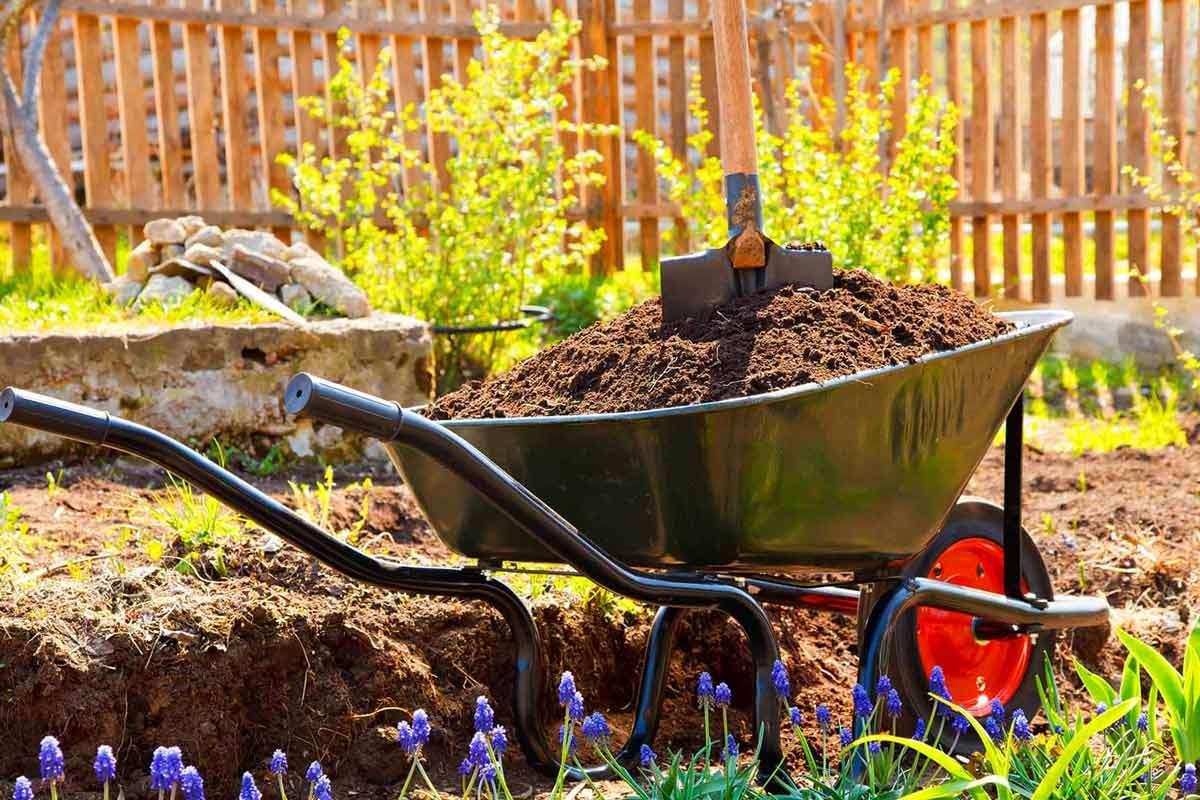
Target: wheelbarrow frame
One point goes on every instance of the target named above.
(886, 595)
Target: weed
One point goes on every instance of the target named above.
(15, 543)
(315, 503)
(198, 524)
(53, 483)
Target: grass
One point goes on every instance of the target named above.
(37, 301)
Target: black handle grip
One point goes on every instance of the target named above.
(52, 415)
(334, 404)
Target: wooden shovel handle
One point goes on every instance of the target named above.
(733, 87)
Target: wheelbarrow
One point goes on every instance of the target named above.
(726, 505)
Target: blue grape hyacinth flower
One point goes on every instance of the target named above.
(893, 705)
(919, 730)
(575, 707)
(420, 727)
(993, 729)
(730, 753)
(313, 772)
(158, 770)
(646, 756)
(1187, 780)
(862, 701)
(824, 719)
(22, 789)
(783, 684)
(722, 695)
(499, 740)
(845, 737)
(191, 784)
(1020, 726)
(105, 764)
(997, 709)
(50, 760)
(882, 687)
(1143, 722)
(323, 789)
(465, 767)
(795, 717)
(704, 689)
(405, 738)
(485, 718)
(279, 765)
(959, 724)
(477, 750)
(249, 789)
(874, 748)
(566, 688)
(595, 728)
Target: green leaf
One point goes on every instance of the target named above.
(943, 760)
(1131, 688)
(956, 788)
(1165, 677)
(1098, 688)
(1054, 774)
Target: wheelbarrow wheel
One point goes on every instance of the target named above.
(968, 552)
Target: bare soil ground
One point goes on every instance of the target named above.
(280, 652)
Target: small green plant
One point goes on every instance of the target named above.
(470, 243)
(53, 483)
(14, 543)
(1180, 693)
(315, 503)
(1177, 191)
(891, 219)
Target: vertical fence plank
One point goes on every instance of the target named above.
(232, 49)
(272, 137)
(1175, 113)
(330, 55)
(19, 188)
(708, 78)
(302, 48)
(982, 150)
(404, 84)
(166, 111)
(870, 40)
(954, 90)
(369, 44)
(1039, 150)
(899, 58)
(464, 49)
(1137, 141)
(645, 90)
(131, 107)
(93, 126)
(677, 84)
(925, 44)
(434, 62)
(570, 111)
(56, 129)
(603, 203)
(1010, 149)
(1104, 148)
(206, 169)
(1073, 183)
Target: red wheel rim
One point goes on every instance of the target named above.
(976, 671)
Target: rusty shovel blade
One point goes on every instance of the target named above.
(694, 284)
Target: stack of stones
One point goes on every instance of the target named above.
(176, 257)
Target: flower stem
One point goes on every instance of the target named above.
(707, 738)
(282, 793)
(425, 777)
(411, 771)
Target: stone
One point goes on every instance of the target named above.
(182, 268)
(165, 231)
(188, 381)
(192, 223)
(124, 290)
(222, 294)
(141, 259)
(254, 241)
(295, 297)
(165, 290)
(202, 254)
(328, 285)
(299, 250)
(260, 269)
(170, 251)
(209, 235)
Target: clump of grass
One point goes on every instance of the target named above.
(315, 503)
(14, 543)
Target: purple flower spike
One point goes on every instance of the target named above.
(646, 756)
(279, 763)
(795, 717)
(575, 707)
(893, 705)
(824, 720)
(191, 784)
(1143, 722)
(23, 789)
(723, 695)
(50, 759)
(1020, 726)
(1187, 781)
(993, 729)
(997, 710)
(874, 747)
(313, 772)
(323, 789)
(862, 701)
(172, 766)
(158, 770)
(566, 688)
(779, 676)
(420, 727)
(465, 767)
(499, 740)
(485, 718)
(405, 738)
(477, 751)
(249, 789)
(488, 773)
(595, 728)
(731, 749)
(919, 731)
(105, 764)
(882, 687)
(845, 737)
(959, 724)
(704, 689)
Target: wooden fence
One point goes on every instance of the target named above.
(154, 107)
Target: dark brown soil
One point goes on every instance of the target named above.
(284, 653)
(755, 344)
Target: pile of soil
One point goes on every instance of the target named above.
(755, 344)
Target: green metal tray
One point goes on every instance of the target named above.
(851, 474)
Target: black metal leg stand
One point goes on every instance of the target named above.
(1014, 433)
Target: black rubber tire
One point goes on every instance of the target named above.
(970, 518)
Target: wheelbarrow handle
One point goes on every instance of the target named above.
(49, 414)
(342, 406)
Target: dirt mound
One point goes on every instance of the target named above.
(755, 344)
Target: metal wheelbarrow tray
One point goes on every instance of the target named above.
(703, 507)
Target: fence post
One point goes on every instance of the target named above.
(93, 125)
(56, 129)
(1137, 141)
(1010, 150)
(1073, 184)
(131, 108)
(1104, 148)
(1039, 151)
(601, 101)
(982, 149)
(1175, 22)
(19, 188)
(645, 94)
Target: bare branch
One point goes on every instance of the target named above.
(35, 56)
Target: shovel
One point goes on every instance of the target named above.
(750, 262)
